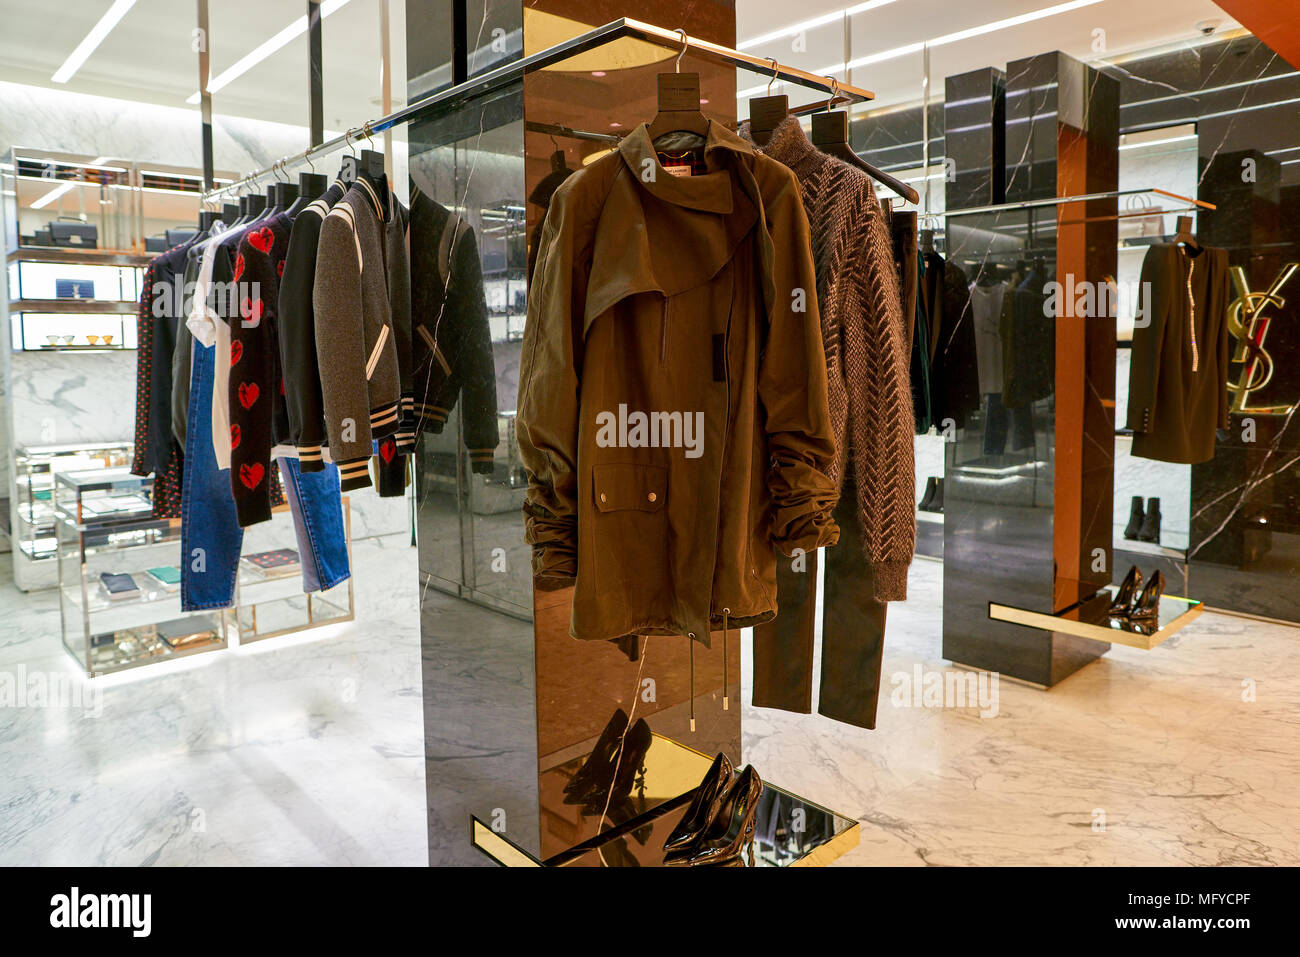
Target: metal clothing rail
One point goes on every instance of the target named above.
(623, 28)
(1085, 198)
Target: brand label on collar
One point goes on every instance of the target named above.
(678, 170)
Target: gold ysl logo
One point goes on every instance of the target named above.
(1247, 322)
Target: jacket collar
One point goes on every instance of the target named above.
(710, 193)
(788, 144)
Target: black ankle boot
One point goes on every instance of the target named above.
(1135, 517)
(1151, 523)
(936, 503)
(928, 497)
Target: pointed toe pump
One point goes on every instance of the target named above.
(599, 766)
(732, 827)
(1128, 590)
(704, 805)
(1147, 606)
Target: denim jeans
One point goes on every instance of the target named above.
(317, 507)
(211, 539)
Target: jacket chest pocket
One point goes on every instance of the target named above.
(619, 488)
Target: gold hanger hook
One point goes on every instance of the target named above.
(310, 164)
(772, 79)
(347, 141)
(365, 128)
(677, 66)
(836, 95)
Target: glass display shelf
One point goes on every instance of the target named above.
(270, 601)
(1091, 619)
(35, 468)
(119, 591)
(788, 832)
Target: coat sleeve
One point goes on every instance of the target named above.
(792, 379)
(142, 456)
(550, 376)
(341, 349)
(297, 339)
(876, 369)
(475, 369)
(1148, 341)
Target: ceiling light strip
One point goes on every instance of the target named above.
(92, 40)
(820, 21)
(264, 50)
(943, 40)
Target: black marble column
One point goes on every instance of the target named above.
(974, 110)
(1029, 480)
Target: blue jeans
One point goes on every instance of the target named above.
(211, 539)
(317, 507)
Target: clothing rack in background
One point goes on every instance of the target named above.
(623, 28)
(1193, 205)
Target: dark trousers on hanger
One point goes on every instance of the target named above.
(853, 632)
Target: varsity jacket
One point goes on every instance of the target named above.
(254, 387)
(452, 342)
(296, 331)
(360, 379)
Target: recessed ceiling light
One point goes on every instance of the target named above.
(597, 72)
(265, 49)
(616, 125)
(93, 39)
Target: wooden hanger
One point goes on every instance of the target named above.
(679, 102)
(767, 112)
(1184, 236)
(830, 134)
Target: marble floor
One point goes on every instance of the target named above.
(309, 750)
(306, 749)
(1187, 754)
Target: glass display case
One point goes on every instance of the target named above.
(79, 232)
(119, 576)
(35, 469)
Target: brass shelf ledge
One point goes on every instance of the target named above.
(1176, 613)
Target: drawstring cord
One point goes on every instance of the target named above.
(726, 703)
(691, 639)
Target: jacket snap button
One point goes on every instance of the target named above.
(602, 496)
(652, 496)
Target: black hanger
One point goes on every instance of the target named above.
(229, 213)
(206, 218)
(767, 112)
(679, 101)
(311, 187)
(830, 134)
(925, 240)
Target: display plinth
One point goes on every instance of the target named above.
(789, 831)
(1089, 619)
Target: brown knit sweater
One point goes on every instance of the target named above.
(866, 349)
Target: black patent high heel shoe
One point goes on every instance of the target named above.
(1147, 606)
(730, 830)
(1128, 590)
(704, 805)
(623, 771)
(598, 769)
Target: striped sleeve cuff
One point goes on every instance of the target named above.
(310, 458)
(482, 461)
(433, 417)
(384, 420)
(354, 474)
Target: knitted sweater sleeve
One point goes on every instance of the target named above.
(254, 374)
(875, 356)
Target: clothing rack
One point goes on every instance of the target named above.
(1193, 204)
(623, 28)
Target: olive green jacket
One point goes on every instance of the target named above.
(672, 405)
